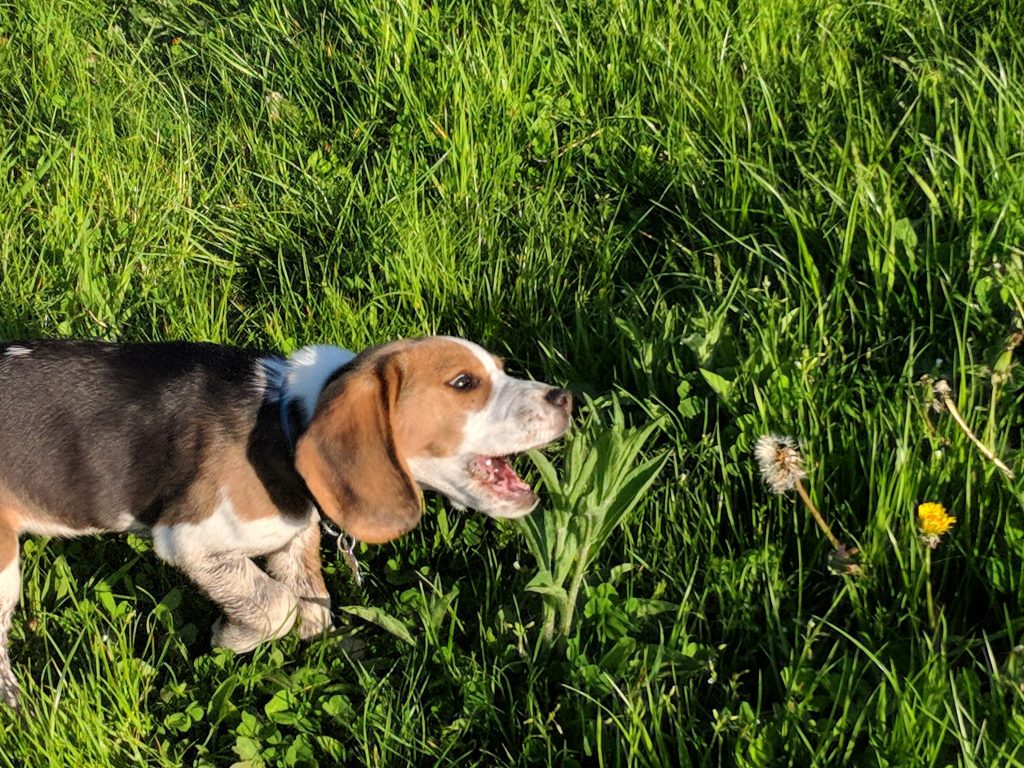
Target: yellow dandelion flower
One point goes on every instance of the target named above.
(934, 522)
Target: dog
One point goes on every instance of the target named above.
(221, 454)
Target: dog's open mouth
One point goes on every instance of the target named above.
(496, 473)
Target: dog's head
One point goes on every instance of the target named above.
(437, 413)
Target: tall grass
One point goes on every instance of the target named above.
(741, 217)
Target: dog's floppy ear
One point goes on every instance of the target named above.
(349, 459)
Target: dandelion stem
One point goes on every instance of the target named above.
(928, 587)
(945, 396)
(816, 514)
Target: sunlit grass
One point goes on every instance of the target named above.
(743, 218)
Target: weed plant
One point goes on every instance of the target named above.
(602, 484)
(743, 218)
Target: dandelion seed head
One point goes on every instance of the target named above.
(780, 462)
(941, 391)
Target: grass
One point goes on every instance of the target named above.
(739, 217)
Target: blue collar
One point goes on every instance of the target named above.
(286, 422)
(300, 378)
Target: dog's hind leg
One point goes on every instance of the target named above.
(298, 567)
(10, 590)
(256, 607)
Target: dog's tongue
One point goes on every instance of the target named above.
(497, 472)
(508, 477)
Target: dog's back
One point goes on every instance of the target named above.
(99, 436)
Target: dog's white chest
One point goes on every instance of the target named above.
(225, 532)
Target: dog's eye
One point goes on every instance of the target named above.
(462, 382)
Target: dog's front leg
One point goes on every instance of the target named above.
(256, 607)
(10, 589)
(298, 567)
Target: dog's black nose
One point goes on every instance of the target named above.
(559, 398)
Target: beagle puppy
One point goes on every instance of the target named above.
(221, 455)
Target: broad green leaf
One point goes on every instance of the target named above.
(719, 384)
(440, 607)
(543, 584)
(652, 607)
(106, 597)
(630, 495)
(382, 619)
(615, 660)
(178, 721)
(546, 470)
(282, 708)
(618, 572)
(689, 406)
(216, 709)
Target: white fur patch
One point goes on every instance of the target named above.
(515, 418)
(10, 586)
(10, 592)
(17, 351)
(481, 354)
(224, 532)
(302, 376)
(44, 526)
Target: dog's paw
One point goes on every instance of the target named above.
(314, 617)
(8, 689)
(235, 637)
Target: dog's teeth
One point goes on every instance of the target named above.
(489, 462)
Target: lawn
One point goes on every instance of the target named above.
(713, 220)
